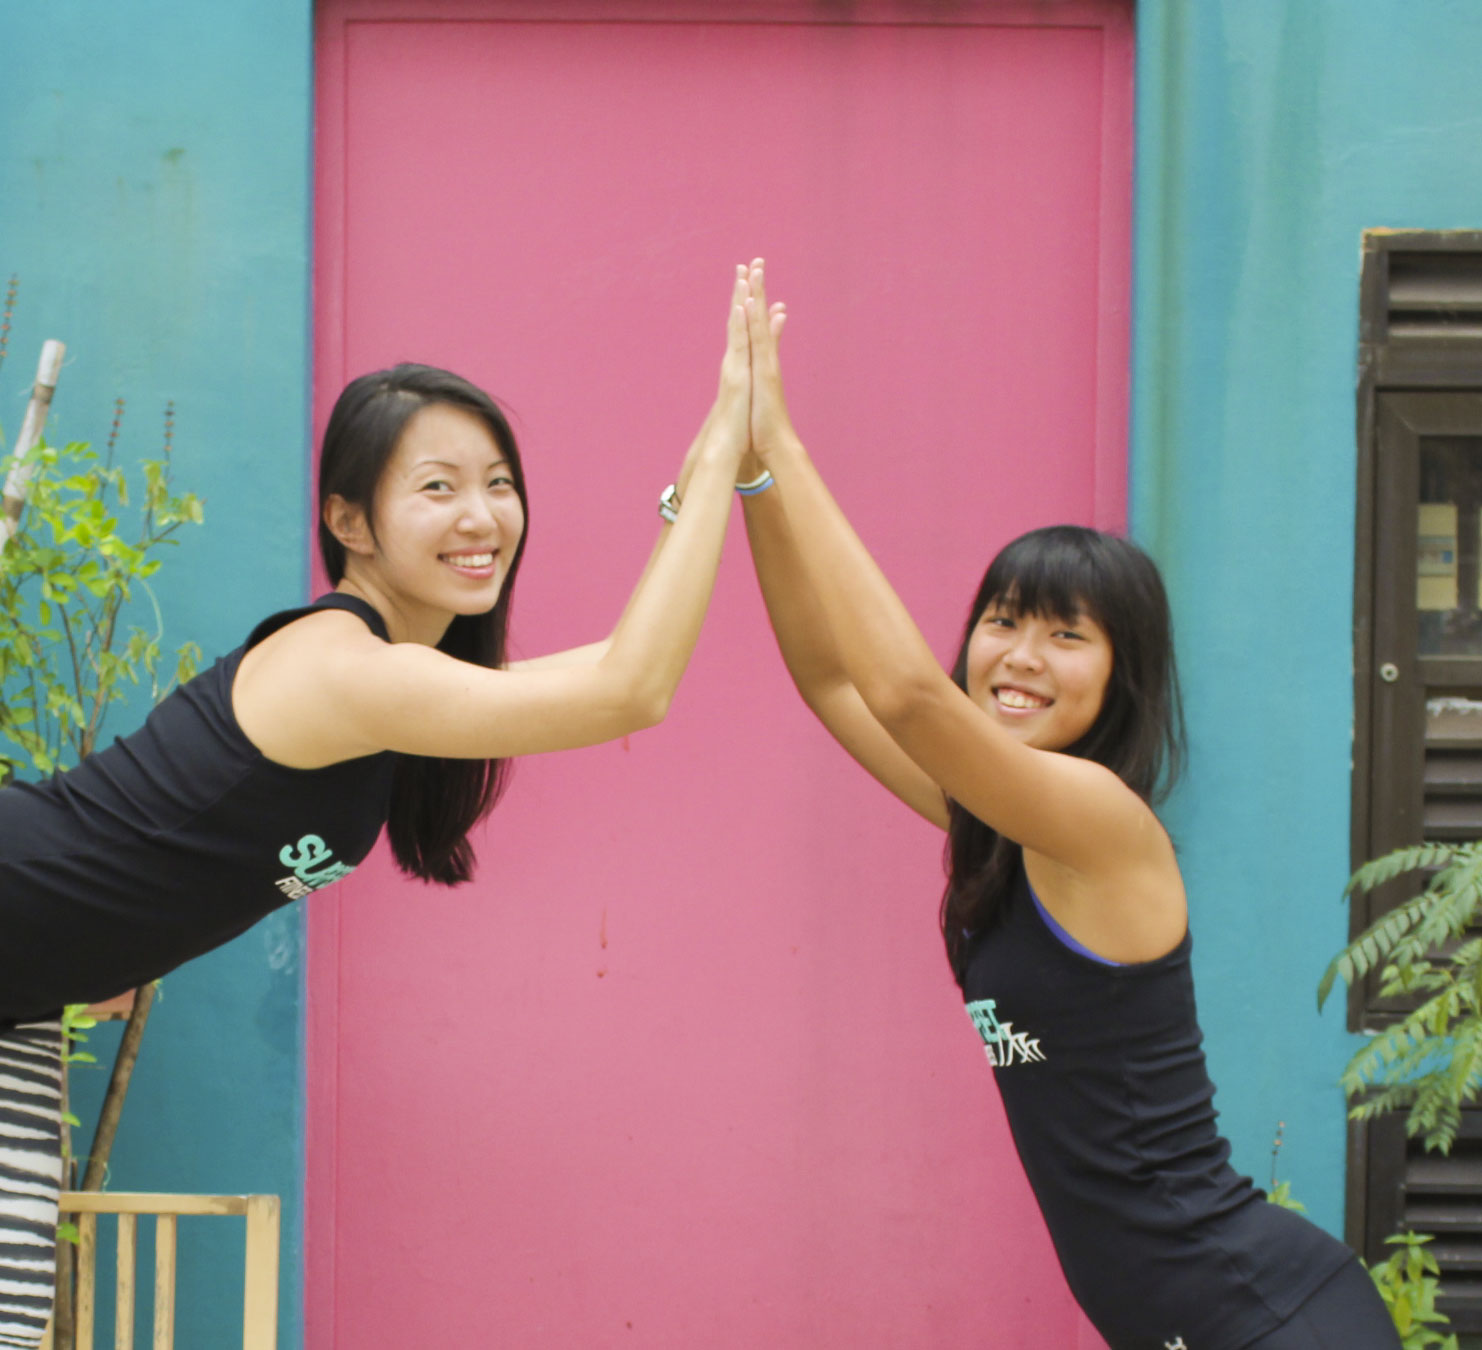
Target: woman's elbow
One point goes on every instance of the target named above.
(643, 702)
(634, 699)
(650, 708)
(900, 701)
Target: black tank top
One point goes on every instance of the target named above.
(1102, 1075)
(169, 842)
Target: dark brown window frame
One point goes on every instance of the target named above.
(1420, 374)
(1390, 365)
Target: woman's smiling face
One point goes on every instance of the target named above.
(1042, 679)
(448, 521)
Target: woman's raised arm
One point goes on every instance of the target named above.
(812, 657)
(333, 691)
(1072, 810)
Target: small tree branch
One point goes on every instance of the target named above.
(100, 702)
(76, 664)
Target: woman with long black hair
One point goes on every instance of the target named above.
(388, 703)
(1064, 917)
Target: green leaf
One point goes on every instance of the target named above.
(1281, 1195)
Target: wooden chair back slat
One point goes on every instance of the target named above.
(166, 1228)
(87, 1264)
(128, 1260)
(260, 1276)
(263, 1214)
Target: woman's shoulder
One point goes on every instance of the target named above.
(1131, 910)
(335, 602)
(297, 679)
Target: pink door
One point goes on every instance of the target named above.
(684, 1067)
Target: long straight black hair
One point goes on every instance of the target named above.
(1058, 572)
(434, 802)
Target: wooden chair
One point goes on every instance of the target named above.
(260, 1278)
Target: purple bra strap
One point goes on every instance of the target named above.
(1065, 937)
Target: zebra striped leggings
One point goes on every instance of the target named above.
(30, 1177)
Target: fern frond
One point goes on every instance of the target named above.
(1397, 1054)
(1427, 1065)
(1464, 867)
(1450, 913)
(1436, 1116)
(1391, 1099)
(1379, 871)
(1407, 978)
(1466, 1061)
(1387, 933)
(1339, 968)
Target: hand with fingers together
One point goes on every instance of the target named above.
(725, 433)
(771, 427)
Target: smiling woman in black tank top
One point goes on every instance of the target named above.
(387, 703)
(1064, 918)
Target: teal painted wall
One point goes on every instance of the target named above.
(1270, 134)
(154, 200)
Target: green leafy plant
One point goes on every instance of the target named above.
(1280, 1192)
(1408, 1283)
(67, 577)
(76, 1023)
(1429, 1062)
(1281, 1195)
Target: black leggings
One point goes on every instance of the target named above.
(1344, 1313)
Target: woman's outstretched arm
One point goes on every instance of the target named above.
(1073, 811)
(333, 691)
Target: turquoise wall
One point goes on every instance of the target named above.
(1270, 133)
(154, 200)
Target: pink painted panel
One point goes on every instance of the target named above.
(685, 1066)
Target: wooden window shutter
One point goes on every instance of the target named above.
(1418, 678)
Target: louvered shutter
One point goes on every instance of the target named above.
(1407, 1189)
(1418, 678)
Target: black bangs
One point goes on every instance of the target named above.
(1051, 573)
(1063, 570)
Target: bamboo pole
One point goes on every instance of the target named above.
(18, 480)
